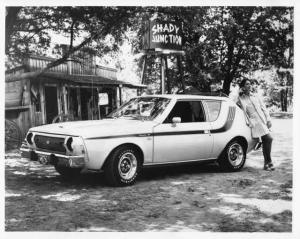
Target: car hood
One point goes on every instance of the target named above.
(96, 128)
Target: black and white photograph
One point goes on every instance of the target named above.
(150, 117)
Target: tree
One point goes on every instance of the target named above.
(28, 29)
(280, 53)
(233, 41)
(222, 44)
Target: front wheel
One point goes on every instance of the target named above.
(122, 167)
(233, 157)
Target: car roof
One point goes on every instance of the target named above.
(184, 97)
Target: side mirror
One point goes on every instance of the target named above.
(176, 120)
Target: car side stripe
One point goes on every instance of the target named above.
(120, 136)
(179, 133)
(228, 123)
(149, 134)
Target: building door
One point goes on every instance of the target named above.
(85, 95)
(73, 103)
(51, 103)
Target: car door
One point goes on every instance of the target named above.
(185, 141)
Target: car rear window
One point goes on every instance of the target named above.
(214, 107)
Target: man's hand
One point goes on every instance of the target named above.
(269, 124)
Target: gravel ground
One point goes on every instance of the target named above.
(190, 198)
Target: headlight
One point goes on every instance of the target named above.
(75, 145)
(69, 144)
(29, 138)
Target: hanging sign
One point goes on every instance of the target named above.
(103, 99)
(165, 35)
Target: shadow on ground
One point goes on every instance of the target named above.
(196, 197)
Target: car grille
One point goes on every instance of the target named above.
(55, 144)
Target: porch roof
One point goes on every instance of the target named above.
(90, 80)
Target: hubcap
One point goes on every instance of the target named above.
(235, 154)
(127, 165)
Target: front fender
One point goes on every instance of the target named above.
(98, 149)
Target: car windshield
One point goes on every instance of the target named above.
(144, 108)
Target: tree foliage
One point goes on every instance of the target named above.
(234, 41)
(222, 44)
(28, 29)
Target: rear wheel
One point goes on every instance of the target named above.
(122, 167)
(233, 157)
(68, 173)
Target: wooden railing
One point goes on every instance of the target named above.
(35, 63)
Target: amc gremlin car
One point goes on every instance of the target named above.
(146, 131)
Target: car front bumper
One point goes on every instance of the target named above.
(53, 158)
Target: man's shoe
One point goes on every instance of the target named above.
(269, 167)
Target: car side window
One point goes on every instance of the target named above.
(214, 107)
(188, 111)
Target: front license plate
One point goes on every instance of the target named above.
(44, 159)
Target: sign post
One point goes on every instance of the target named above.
(162, 68)
(163, 38)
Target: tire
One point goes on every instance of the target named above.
(233, 157)
(68, 173)
(122, 167)
(13, 135)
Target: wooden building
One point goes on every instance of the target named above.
(69, 91)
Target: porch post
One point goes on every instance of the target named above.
(64, 91)
(120, 94)
(42, 102)
(79, 103)
(144, 69)
(59, 103)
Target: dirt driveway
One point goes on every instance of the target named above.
(190, 198)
